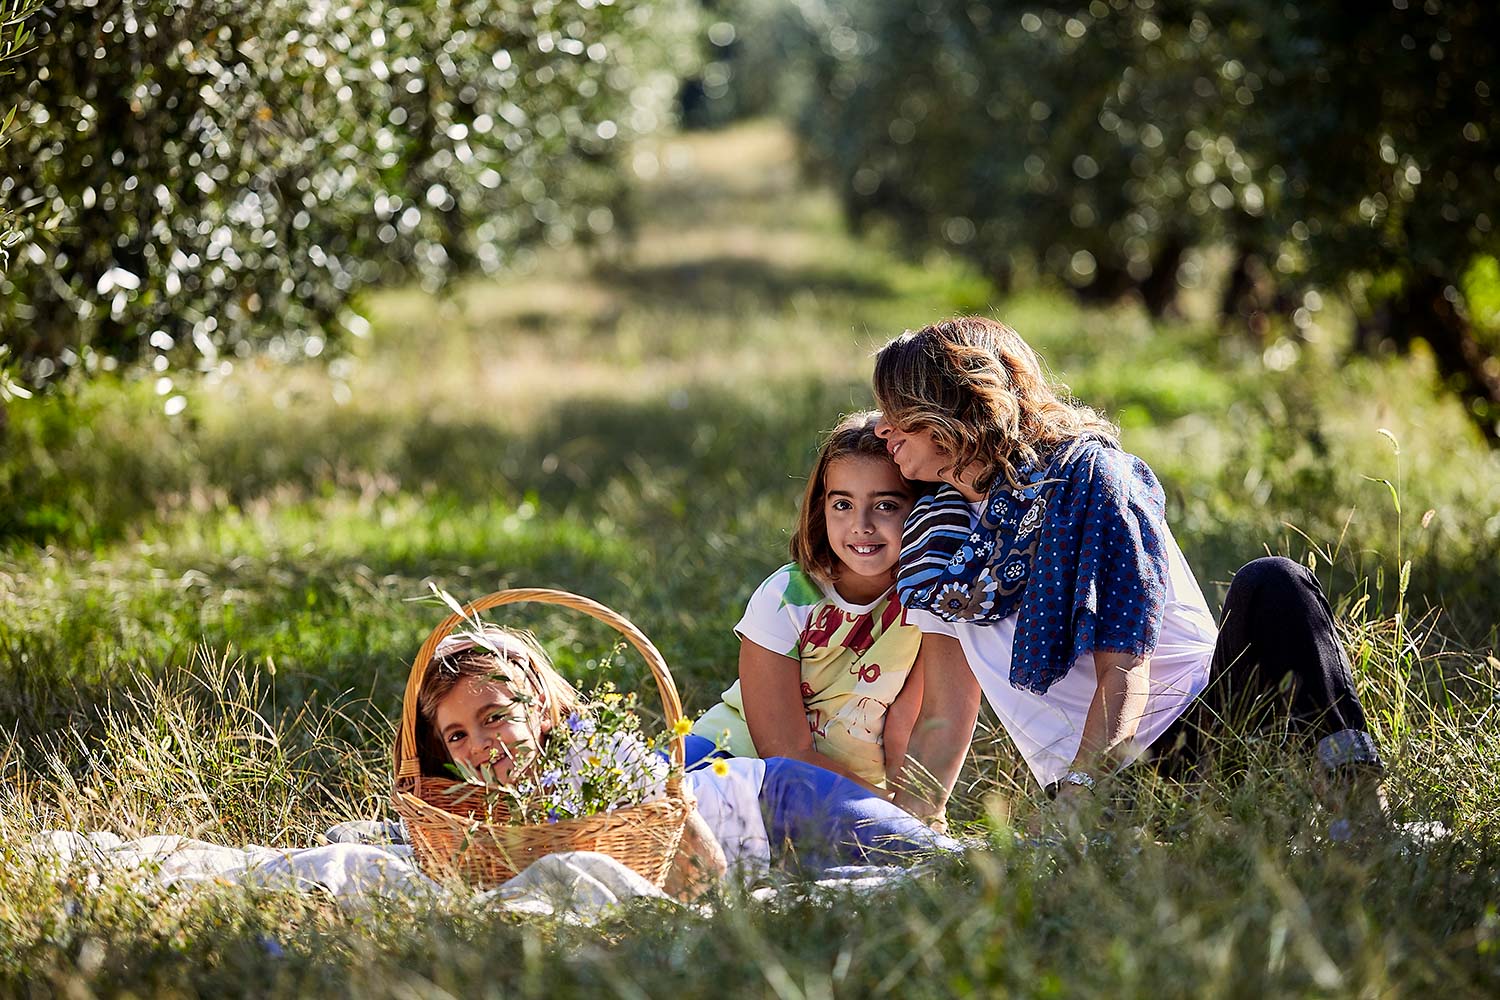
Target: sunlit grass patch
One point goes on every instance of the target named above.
(1228, 888)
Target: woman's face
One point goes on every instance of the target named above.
(915, 452)
(485, 724)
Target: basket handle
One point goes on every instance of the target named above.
(406, 762)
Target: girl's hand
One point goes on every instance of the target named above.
(700, 861)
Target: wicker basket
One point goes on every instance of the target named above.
(458, 834)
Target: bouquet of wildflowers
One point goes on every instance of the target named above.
(596, 762)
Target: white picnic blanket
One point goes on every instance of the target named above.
(578, 886)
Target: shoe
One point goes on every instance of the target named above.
(1355, 796)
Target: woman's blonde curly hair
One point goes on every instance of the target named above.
(983, 394)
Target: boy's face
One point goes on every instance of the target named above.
(485, 724)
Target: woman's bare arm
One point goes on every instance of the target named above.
(943, 729)
(1114, 718)
(899, 719)
(1117, 709)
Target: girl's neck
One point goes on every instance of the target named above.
(861, 590)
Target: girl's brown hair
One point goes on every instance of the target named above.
(983, 394)
(470, 656)
(853, 436)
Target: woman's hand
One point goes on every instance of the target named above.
(699, 863)
(1071, 812)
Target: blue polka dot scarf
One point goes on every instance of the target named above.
(1078, 554)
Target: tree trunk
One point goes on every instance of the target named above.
(1250, 294)
(1370, 331)
(1159, 290)
(1424, 310)
(1110, 284)
(1002, 276)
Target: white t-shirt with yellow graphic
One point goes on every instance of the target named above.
(854, 659)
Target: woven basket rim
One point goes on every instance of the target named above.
(668, 813)
(404, 750)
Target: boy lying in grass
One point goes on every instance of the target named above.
(492, 706)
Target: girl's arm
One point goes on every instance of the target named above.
(771, 687)
(899, 719)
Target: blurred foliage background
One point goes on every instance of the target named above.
(195, 188)
(1277, 153)
(200, 181)
(204, 181)
(620, 264)
(1256, 205)
(1253, 207)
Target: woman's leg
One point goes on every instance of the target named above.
(824, 820)
(1278, 661)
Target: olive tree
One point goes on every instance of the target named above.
(223, 176)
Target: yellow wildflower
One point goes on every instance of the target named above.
(720, 768)
(682, 726)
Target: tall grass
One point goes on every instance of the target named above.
(1227, 888)
(205, 626)
(208, 752)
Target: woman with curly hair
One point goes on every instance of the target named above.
(1042, 572)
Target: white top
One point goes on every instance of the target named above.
(1047, 728)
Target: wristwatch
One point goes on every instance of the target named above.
(1081, 778)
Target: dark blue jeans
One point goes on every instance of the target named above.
(1278, 664)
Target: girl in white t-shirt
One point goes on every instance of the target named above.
(826, 656)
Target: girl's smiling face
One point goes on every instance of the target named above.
(865, 504)
(489, 726)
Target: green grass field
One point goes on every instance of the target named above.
(206, 622)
